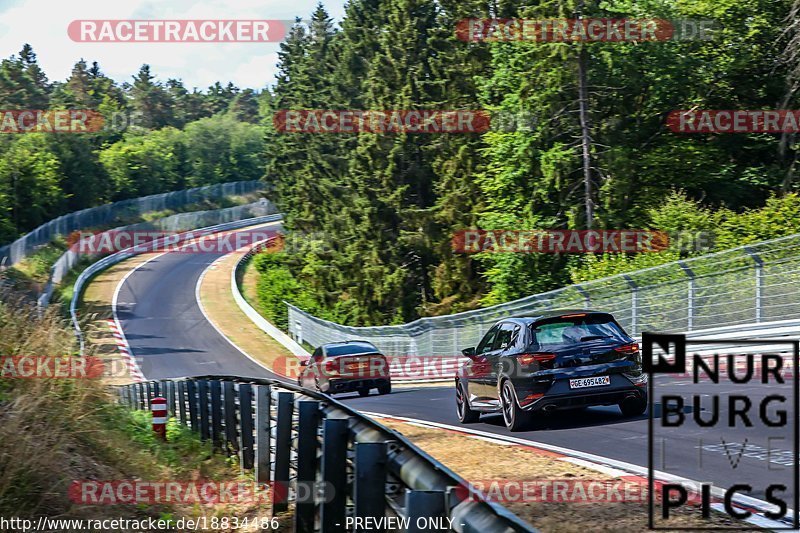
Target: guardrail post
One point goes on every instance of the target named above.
(148, 389)
(216, 413)
(140, 395)
(283, 450)
(690, 295)
(424, 504)
(335, 433)
(202, 402)
(229, 400)
(246, 455)
(759, 269)
(192, 402)
(182, 401)
(170, 386)
(263, 429)
(307, 431)
(634, 303)
(156, 389)
(370, 481)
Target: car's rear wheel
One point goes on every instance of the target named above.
(633, 407)
(515, 418)
(363, 391)
(465, 414)
(386, 388)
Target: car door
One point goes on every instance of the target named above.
(502, 346)
(479, 366)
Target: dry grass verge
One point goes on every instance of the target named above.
(56, 431)
(480, 462)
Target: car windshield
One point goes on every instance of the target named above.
(574, 330)
(349, 349)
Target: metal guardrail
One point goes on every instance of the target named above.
(262, 323)
(750, 284)
(179, 222)
(118, 257)
(293, 437)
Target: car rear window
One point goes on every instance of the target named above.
(574, 329)
(349, 349)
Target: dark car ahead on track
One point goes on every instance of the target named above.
(348, 366)
(557, 360)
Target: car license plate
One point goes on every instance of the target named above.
(582, 383)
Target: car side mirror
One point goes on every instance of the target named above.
(468, 352)
(304, 362)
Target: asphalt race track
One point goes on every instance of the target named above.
(168, 332)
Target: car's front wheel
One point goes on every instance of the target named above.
(515, 418)
(465, 414)
(386, 388)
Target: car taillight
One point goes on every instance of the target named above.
(330, 366)
(628, 348)
(545, 360)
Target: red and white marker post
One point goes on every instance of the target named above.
(159, 408)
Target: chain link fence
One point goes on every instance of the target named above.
(108, 214)
(749, 284)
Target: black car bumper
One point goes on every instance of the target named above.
(352, 385)
(566, 401)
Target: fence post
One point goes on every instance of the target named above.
(690, 296)
(216, 413)
(370, 481)
(283, 450)
(202, 402)
(307, 431)
(263, 429)
(192, 402)
(229, 401)
(148, 387)
(182, 401)
(335, 435)
(587, 299)
(759, 270)
(156, 389)
(424, 504)
(132, 401)
(140, 395)
(634, 303)
(170, 386)
(246, 455)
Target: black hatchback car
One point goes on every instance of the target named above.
(558, 360)
(347, 366)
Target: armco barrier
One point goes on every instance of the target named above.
(293, 437)
(255, 316)
(174, 223)
(109, 213)
(118, 257)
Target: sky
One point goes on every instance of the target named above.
(43, 24)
